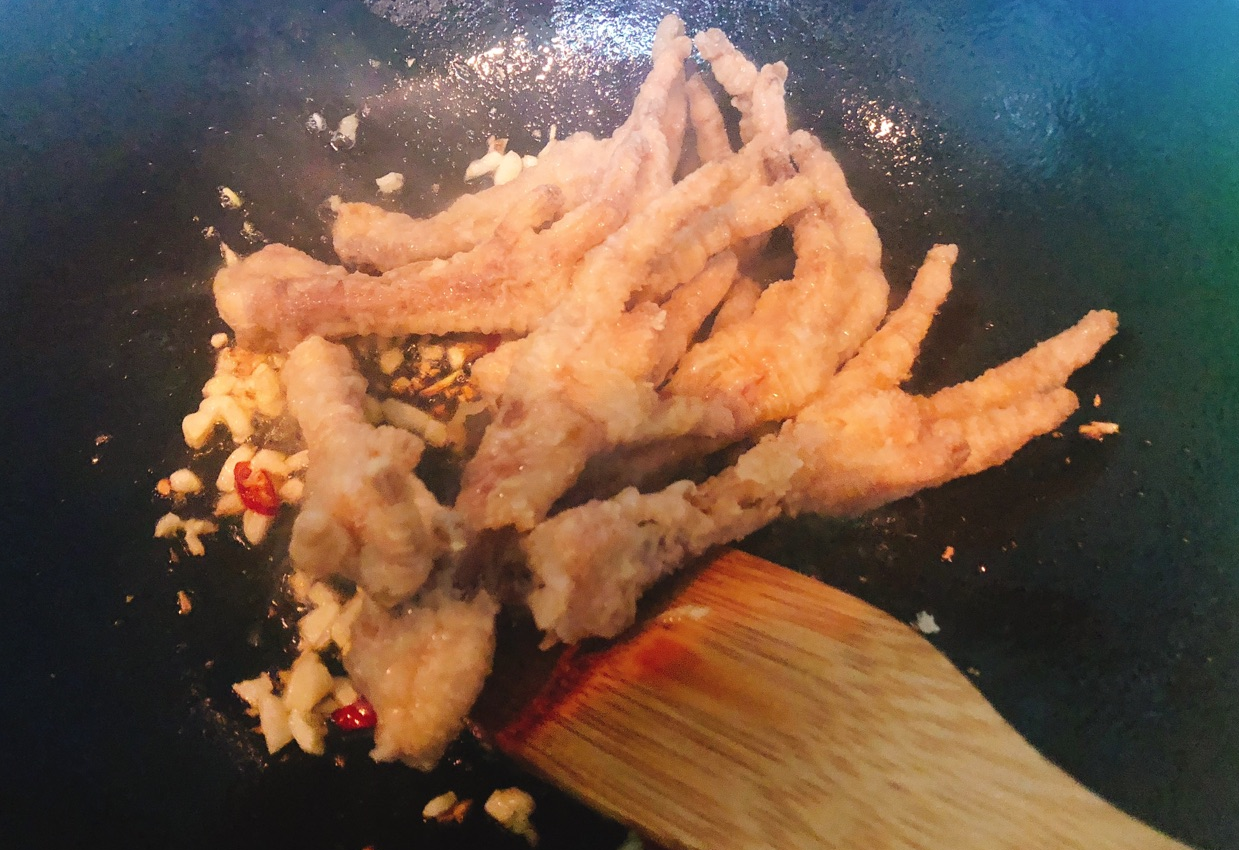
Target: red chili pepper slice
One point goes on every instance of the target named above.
(256, 489)
(355, 715)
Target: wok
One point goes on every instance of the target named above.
(1082, 155)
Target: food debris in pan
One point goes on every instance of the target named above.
(440, 806)
(513, 808)
(1099, 430)
(390, 183)
(229, 199)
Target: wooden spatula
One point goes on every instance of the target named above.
(763, 709)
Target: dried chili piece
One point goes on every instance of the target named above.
(256, 489)
(356, 715)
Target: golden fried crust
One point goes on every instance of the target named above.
(623, 274)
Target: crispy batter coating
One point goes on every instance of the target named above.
(709, 129)
(862, 443)
(279, 296)
(735, 72)
(366, 515)
(369, 236)
(590, 380)
(688, 307)
(422, 667)
(1044, 367)
(768, 364)
(652, 396)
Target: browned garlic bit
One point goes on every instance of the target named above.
(513, 807)
(184, 482)
(328, 618)
(244, 385)
(229, 199)
(439, 806)
(423, 384)
(307, 693)
(390, 183)
(344, 137)
(169, 525)
(298, 709)
(502, 164)
(1099, 430)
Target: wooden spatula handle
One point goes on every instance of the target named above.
(765, 709)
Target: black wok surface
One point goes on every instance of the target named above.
(1082, 155)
